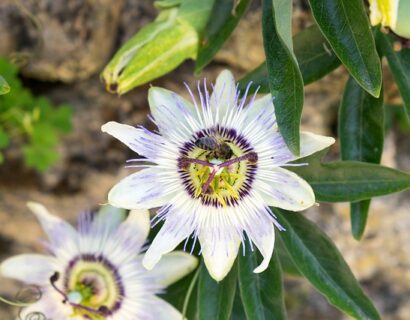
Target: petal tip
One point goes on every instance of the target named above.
(109, 126)
(149, 261)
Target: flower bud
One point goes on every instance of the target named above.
(158, 47)
(393, 14)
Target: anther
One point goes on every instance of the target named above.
(252, 157)
(184, 162)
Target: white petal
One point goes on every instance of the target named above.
(140, 190)
(139, 140)
(174, 116)
(29, 268)
(174, 230)
(162, 310)
(110, 216)
(260, 105)
(311, 143)
(284, 189)
(173, 267)
(59, 231)
(264, 240)
(223, 96)
(50, 306)
(219, 254)
(139, 221)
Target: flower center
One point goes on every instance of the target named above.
(92, 286)
(217, 166)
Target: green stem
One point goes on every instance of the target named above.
(189, 292)
(13, 303)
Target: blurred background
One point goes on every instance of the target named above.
(55, 153)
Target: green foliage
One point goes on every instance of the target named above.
(345, 25)
(31, 122)
(4, 86)
(359, 114)
(222, 21)
(313, 54)
(262, 294)
(286, 86)
(215, 300)
(350, 181)
(399, 63)
(320, 262)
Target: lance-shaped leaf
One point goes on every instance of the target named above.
(4, 86)
(350, 181)
(286, 262)
(361, 132)
(261, 293)
(223, 19)
(285, 80)
(320, 262)
(313, 54)
(346, 26)
(399, 63)
(215, 299)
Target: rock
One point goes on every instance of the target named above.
(59, 40)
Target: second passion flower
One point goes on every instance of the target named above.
(214, 169)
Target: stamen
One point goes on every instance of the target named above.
(251, 157)
(184, 162)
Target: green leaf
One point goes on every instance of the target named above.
(4, 86)
(222, 21)
(261, 293)
(399, 63)
(361, 124)
(358, 217)
(313, 53)
(1, 158)
(215, 300)
(318, 259)
(361, 132)
(43, 134)
(285, 80)
(39, 157)
(61, 118)
(286, 262)
(4, 138)
(351, 181)
(346, 26)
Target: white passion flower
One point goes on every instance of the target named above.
(393, 14)
(95, 273)
(214, 168)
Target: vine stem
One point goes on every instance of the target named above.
(13, 303)
(189, 292)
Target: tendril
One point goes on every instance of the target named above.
(19, 301)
